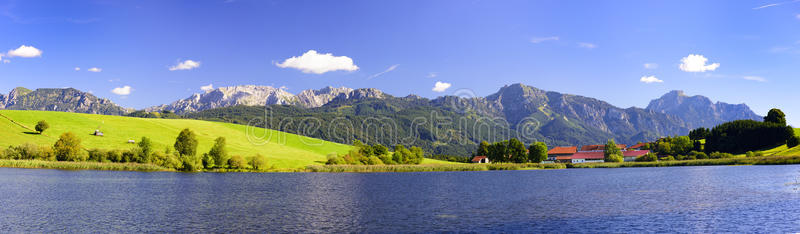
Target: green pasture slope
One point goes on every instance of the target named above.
(783, 150)
(284, 150)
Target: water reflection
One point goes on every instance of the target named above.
(682, 199)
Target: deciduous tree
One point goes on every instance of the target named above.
(537, 152)
(68, 148)
(612, 153)
(41, 126)
(775, 115)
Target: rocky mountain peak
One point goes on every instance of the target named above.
(700, 111)
(315, 98)
(59, 99)
(253, 95)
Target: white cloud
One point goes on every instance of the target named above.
(537, 40)
(650, 79)
(696, 63)
(587, 45)
(313, 62)
(441, 86)
(755, 78)
(25, 52)
(6, 61)
(391, 68)
(94, 69)
(650, 65)
(124, 90)
(774, 4)
(765, 6)
(185, 65)
(433, 74)
(77, 68)
(797, 16)
(207, 88)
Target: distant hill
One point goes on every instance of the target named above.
(65, 100)
(699, 111)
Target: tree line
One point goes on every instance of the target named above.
(377, 154)
(722, 141)
(182, 156)
(512, 150)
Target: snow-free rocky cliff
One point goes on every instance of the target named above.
(253, 95)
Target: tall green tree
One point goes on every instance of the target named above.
(483, 149)
(186, 147)
(612, 153)
(186, 143)
(537, 152)
(417, 155)
(145, 150)
(516, 150)
(379, 150)
(400, 154)
(41, 126)
(699, 133)
(218, 152)
(68, 148)
(498, 152)
(793, 141)
(775, 115)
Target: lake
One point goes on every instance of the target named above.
(675, 199)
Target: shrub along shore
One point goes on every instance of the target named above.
(66, 165)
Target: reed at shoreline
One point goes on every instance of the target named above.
(63, 165)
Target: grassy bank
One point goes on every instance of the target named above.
(81, 165)
(430, 167)
(768, 160)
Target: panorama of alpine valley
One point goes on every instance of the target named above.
(449, 127)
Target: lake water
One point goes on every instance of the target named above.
(682, 199)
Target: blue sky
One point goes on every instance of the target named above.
(592, 48)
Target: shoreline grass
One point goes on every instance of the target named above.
(764, 160)
(431, 167)
(61, 165)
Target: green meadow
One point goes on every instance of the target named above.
(283, 150)
(783, 150)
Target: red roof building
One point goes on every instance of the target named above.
(631, 155)
(637, 146)
(558, 150)
(589, 155)
(600, 147)
(480, 159)
(562, 159)
(561, 154)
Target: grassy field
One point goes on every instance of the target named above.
(783, 150)
(283, 150)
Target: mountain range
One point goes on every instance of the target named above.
(66, 100)
(516, 110)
